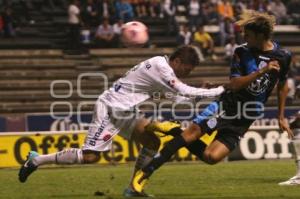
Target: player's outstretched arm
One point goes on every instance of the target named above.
(238, 83)
(186, 90)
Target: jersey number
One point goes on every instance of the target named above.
(117, 87)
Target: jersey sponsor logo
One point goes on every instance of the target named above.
(106, 137)
(100, 130)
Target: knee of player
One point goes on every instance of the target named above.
(210, 158)
(153, 142)
(141, 125)
(89, 158)
(156, 143)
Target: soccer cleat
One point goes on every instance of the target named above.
(139, 181)
(128, 192)
(28, 167)
(291, 182)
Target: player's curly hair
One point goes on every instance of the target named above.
(187, 54)
(257, 22)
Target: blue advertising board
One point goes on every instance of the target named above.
(80, 121)
(59, 122)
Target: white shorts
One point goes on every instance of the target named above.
(106, 124)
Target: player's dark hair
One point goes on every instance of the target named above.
(257, 22)
(187, 55)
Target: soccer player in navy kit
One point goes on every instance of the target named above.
(256, 68)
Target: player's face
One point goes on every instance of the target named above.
(180, 69)
(253, 40)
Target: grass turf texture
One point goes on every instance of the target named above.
(241, 179)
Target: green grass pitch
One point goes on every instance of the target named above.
(233, 180)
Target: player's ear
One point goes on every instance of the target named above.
(177, 60)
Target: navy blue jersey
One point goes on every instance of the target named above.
(246, 61)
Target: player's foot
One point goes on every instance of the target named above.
(291, 182)
(28, 167)
(128, 192)
(139, 181)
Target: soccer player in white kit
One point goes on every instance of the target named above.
(115, 112)
(295, 126)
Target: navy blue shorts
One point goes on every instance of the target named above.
(230, 131)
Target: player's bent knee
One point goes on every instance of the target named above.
(152, 142)
(156, 143)
(90, 157)
(140, 126)
(211, 158)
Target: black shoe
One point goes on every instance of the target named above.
(128, 192)
(28, 167)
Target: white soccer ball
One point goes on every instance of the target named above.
(134, 34)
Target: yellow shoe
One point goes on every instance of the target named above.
(139, 181)
(162, 127)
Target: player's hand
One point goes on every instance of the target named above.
(283, 125)
(272, 65)
(227, 86)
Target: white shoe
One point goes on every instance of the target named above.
(291, 182)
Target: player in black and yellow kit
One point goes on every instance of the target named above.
(257, 67)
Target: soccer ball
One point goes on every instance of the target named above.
(134, 34)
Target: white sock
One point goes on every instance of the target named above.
(296, 144)
(67, 156)
(44, 159)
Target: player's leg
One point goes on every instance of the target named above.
(203, 123)
(215, 152)
(225, 141)
(190, 134)
(150, 145)
(89, 153)
(295, 180)
(173, 128)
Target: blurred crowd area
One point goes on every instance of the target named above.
(100, 21)
(97, 23)
(197, 12)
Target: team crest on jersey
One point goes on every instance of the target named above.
(212, 123)
(262, 64)
(260, 85)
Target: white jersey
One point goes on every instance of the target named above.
(152, 75)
